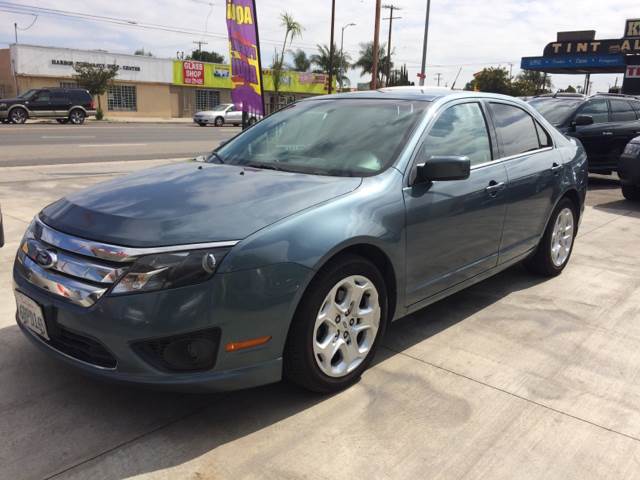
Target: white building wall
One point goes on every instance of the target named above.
(58, 62)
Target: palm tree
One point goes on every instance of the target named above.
(292, 29)
(340, 62)
(365, 62)
(301, 62)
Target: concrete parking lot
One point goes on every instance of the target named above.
(517, 377)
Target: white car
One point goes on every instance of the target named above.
(225, 113)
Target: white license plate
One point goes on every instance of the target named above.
(30, 315)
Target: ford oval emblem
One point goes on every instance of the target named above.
(46, 258)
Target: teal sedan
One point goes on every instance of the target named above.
(289, 251)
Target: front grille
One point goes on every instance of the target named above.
(82, 348)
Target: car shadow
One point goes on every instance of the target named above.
(98, 418)
(603, 182)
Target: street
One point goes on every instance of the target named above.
(50, 143)
(514, 377)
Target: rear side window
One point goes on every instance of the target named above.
(460, 130)
(596, 108)
(543, 136)
(622, 111)
(79, 97)
(516, 129)
(58, 95)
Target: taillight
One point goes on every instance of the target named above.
(93, 104)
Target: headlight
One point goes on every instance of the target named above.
(169, 270)
(632, 150)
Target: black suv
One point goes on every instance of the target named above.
(67, 105)
(604, 123)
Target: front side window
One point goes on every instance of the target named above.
(515, 128)
(348, 137)
(460, 130)
(597, 109)
(42, 96)
(122, 98)
(622, 111)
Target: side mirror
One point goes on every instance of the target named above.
(582, 120)
(444, 168)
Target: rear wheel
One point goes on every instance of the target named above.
(631, 192)
(62, 120)
(219, 121)
(252, 120)
(202, 124)
(554, 250)
(18, 115)
(338, 326)
(77, 117)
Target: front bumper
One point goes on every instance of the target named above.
(242, 305)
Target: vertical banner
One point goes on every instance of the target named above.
(244, 51)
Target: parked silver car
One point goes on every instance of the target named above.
(225, 113)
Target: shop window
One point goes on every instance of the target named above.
(122, 98)
(207, 99)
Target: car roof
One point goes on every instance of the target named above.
(426, 94)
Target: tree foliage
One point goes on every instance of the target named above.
(399, 78)
(204, 56)
(143, 53)
(95, 78)
(324, 64)
(292, 29)
(365, 60)
(497, 80)
(301, 62)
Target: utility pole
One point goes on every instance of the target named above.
(331, 52)
(15, 30)
(200, 43)
(376, 47)
(424, 45)
(438, 77)
(342, 52)
(391, 8)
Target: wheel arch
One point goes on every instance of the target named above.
(13, 107)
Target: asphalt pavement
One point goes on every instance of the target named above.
(518, 377)
(53, 144)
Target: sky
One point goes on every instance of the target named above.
(467, 34)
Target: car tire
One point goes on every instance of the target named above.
(62, 121)
(5, 120)
(218, 122)
(554, 250)
(328, 318)
(252, 121)
(18, 116)
(631, 192)
(76, 117)
(202, 124)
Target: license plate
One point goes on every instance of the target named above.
(30, 315)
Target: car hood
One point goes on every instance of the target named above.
(190, 203)
(11, 100)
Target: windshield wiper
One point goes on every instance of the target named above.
(216, 156)
(264, 166)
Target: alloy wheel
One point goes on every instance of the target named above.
(18, 116)
(76, 117)
(346, 326)
(562, 237)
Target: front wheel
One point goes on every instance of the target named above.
(631, 192)
(338, 326)
(554, 250)
(219, 122)
(18, 116)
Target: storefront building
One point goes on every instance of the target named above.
(145, 86)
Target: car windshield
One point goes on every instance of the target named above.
(556, 110)
(27, 95)
(343, 137)
(219, 108)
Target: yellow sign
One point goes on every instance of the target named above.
(219, 76)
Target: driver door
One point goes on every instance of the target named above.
(40, 104)
(454, 227)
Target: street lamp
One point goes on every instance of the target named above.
(342, 53)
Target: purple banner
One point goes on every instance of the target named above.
(244, 51)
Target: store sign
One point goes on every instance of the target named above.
(629, 43)
(244, 51)
(69, 63)
(633, 71)
(193, 73)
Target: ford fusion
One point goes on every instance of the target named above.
(291, 249)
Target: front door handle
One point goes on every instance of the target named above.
(494, 187)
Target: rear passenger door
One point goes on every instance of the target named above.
(596, 142)
(454, 227)
(534, 169)
(624, 126)
(60, 103)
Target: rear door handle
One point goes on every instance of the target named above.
(494, 187)
(607, 133)
(556, 168)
